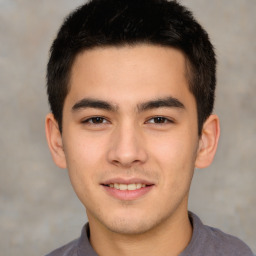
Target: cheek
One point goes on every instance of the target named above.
(172, 148)
(83, 150)
(175, 157)
(84, 157)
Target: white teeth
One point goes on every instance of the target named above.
(127, 186)
(132, 187)
(138, 186)
(123, 187)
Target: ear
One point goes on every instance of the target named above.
(208, 142)
(54, 140)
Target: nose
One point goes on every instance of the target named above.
(127, 147)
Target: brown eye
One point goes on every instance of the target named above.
(95, 120)
(159, 120)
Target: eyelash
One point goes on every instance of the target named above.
(162, 120)
(90, 120)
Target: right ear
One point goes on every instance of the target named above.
(54, 140)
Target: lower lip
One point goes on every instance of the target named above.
(127, 195)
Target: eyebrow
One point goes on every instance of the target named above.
(168, 102)
(94, 103)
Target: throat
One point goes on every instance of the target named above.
(167, 239)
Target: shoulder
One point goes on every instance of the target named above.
(212, 241)
(225, 244)
(80, 246)
(69, 249)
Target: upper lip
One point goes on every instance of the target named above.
(127, 181)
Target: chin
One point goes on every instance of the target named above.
(125, 227)
(132, 226)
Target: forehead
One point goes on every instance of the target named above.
(129, 73)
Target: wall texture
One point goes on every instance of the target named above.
(39, 211)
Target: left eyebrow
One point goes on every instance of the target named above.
(169, 102)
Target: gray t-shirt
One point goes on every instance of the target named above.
(206, 241)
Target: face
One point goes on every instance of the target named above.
(130, 136)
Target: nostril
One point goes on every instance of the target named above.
(125, 153)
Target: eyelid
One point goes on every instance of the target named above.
(167, 120)
(89, 119)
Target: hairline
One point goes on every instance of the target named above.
(188, 67)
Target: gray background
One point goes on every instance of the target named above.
(39, 211)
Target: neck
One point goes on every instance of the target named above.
(169, 238)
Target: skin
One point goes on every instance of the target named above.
(133, 138)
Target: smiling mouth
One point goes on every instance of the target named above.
(121, 186)
(127, 190)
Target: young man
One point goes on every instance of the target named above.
(131, 88)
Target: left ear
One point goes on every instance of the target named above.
(208, 142)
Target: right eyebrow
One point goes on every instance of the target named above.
(94, 103)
